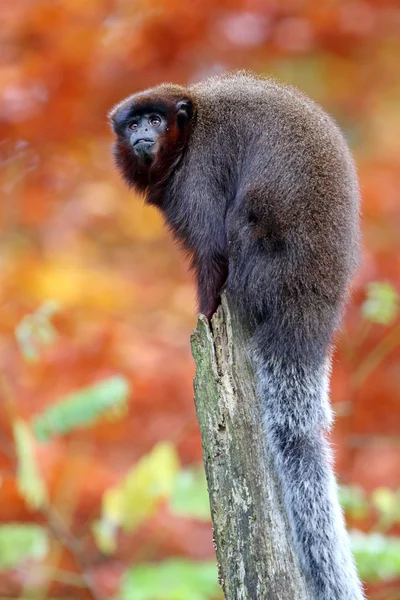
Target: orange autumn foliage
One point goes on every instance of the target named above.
(72, 232)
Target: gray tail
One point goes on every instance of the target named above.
(297, 416)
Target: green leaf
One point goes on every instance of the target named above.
(174, 579)
(36, 330)
(387, 504)
(377, 555)
(83, 408)
(21, 542)
(30, 483)
(382, 303)
(190, 496)
(137, 496)
(149, 481)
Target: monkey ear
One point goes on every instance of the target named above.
(184, 110)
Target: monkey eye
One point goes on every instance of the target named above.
(133, 125)
(155, 121)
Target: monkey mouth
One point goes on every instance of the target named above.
(144, 142)
(144, 150)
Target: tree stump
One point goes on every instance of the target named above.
(251, 532)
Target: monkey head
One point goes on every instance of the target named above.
(151, 131)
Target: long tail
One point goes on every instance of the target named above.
(297, 415)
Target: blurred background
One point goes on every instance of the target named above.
(102, 489)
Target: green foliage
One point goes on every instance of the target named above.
(138, 495)
(190, 496)
(383, 502)
(382, 303)
(21, 542)
(354, 501)
(36, 330)
(171, 580)
(387, 504)
(156, 477)
(30, 484)
(377, 556)
(83, 407)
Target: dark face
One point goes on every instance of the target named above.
(144, 131)
(151, 135)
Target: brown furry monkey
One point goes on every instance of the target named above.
(258, 185)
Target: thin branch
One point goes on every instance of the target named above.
(66, 539)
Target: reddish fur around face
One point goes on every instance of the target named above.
(178, 109)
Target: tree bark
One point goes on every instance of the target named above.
(251, 532)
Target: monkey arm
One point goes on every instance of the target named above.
(211, 272)
(195, 211)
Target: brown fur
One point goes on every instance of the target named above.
(258, 185)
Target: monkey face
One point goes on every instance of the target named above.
(151, 134)
(142, 133)
(146, 130)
